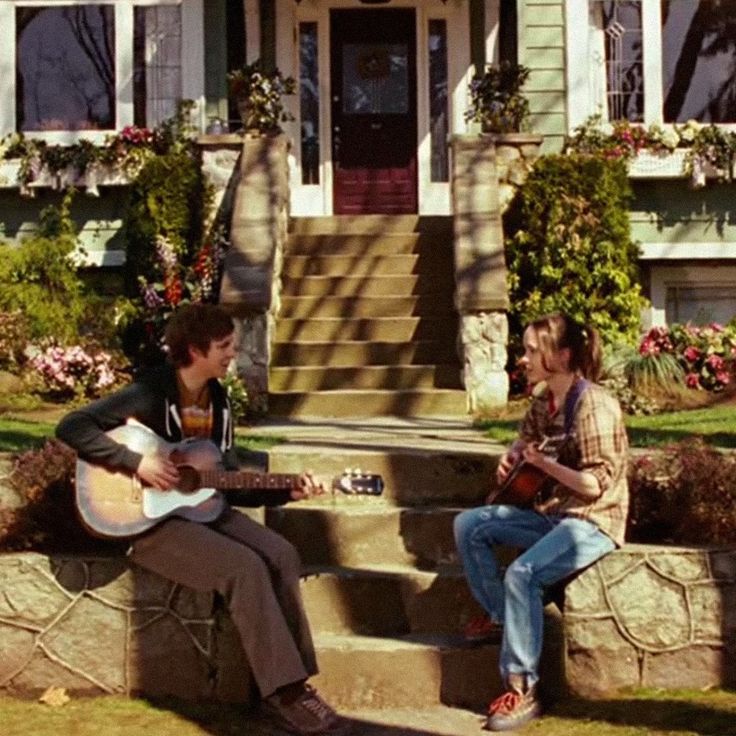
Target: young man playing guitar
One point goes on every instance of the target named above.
(255, 570)
(582, 519)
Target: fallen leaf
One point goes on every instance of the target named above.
(55, 696)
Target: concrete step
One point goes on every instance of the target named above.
(297, 266)
(370, 224)
(373, 672)
(319, 378)
(368, 285)
(312, 307)
(368, 244)
(360, 531)
(414, 475)
(380, 329)
(387, 601)
(357, 352)
(369, 403)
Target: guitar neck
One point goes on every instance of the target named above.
(244, 480)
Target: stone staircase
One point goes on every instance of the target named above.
(384, 590)
(367, 325)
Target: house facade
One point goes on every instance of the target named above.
(382, 88)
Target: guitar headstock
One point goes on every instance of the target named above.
(356, 481)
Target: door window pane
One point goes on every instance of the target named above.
(699, 60)
(309, 102)
(65, 70)
(438, 113)
(375, 79)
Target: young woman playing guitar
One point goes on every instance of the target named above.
(582, 518)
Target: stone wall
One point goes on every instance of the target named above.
(100, 625)
(647, 616)
(644, 616)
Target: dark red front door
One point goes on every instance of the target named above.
(374, 120)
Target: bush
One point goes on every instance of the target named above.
(569, 246)
(684, 494)
(38, 277)
(47, 520)
(13, 339)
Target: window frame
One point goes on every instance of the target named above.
(586, 96)
(192, 64)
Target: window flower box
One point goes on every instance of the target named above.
(95, 176)
(658, 165)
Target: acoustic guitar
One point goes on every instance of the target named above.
(525, 483)
(113, 503)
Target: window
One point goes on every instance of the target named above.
(665, 61)
(65, 69)
(86, 68)
(309, 102)
(700, 304)
(438, 102)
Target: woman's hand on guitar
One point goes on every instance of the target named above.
(309, 486)
(158, 472)
(534, 456)
(505, 465)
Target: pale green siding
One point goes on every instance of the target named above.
(542, 49)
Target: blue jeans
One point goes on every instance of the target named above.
(556, 546)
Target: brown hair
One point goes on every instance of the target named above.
(195, 326)
(558, 331)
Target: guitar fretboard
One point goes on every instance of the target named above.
(235, 479)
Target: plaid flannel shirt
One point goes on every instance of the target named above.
(598, 444)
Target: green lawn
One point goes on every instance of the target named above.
(18, 434)
(644, 713)
(716, 424)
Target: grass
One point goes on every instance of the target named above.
(18, 433)
(640, 713)
(716, 424)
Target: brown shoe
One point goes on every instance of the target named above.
(304, 715)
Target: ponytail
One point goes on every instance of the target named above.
(558, 331)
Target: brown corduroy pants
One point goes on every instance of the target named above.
(258, 574)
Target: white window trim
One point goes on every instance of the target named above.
(192, 16)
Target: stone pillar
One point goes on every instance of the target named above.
(251, 283)
(486, 171)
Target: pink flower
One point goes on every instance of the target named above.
(715, 362)
(691, 353)
(692, 380)
(723, 377)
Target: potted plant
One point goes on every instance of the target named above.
(496, 99)
(258, 94)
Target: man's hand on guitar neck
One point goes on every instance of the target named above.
(309, 486)
(158, 472)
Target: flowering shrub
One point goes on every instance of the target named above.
(176, 282)
(684, 494)
(707, 144)
(73, 372)
(706, 354)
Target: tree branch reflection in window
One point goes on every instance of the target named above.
(65, 73)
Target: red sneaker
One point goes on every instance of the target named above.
(513, 709)
(482, 628)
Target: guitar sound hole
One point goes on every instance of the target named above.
(188, 479)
